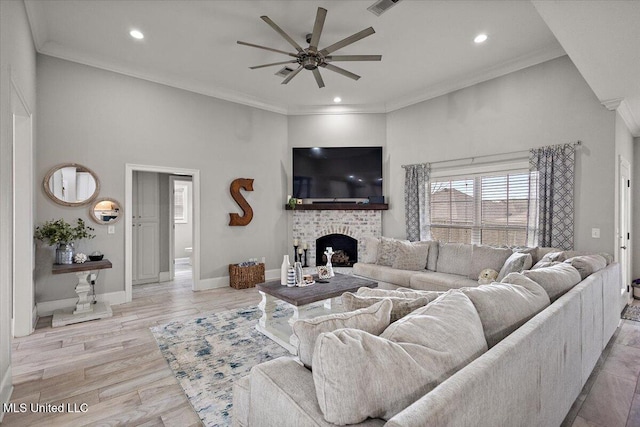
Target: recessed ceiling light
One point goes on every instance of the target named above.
(480, 38)
(337, 100)
(136, 34)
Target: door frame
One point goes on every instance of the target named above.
(128, 222)
(624, 223)
(172, 221)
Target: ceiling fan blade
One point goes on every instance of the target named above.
(292, 75)
(341, 71)
(317, 29)
(334, 58)
(347, 41)
(266, 48)
(316, 74)
(281, 32)
(255, 67)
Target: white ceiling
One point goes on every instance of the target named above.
(427, 47)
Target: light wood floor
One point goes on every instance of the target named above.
(115, 367)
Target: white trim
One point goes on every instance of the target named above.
(6, 389)
(627, 115)
(46, 308)
(223, 282)
(128, 206)
(164, 276)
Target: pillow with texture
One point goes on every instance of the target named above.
(432, 259)
(504, 307)
(454, 258)
(587, 264)
(373, 319)
(358, 375)
(411, 256)
(544, 264)
(368, 251)
(401, 305)
(517, 262)
(387, 251)
(483, 257)
(556, 280)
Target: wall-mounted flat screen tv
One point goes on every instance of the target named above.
(337, 172)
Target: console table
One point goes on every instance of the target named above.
(84, 310)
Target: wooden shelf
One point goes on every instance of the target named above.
(340, 207)
(85, 266)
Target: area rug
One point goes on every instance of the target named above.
(631, 312)
(208, 353)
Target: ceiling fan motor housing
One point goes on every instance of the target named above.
(310, 62)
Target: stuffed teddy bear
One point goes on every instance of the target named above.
(488, 275)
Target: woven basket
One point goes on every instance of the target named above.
(245, 277)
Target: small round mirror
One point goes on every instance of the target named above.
(106, 211)
(71, 184)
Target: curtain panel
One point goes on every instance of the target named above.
(415, 202)
(555, 167)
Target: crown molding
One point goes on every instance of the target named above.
(303, 110)
(36, 25)
(622, 107)
(499, 70)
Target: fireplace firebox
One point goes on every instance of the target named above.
(345, 250)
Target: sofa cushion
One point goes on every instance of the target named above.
(241, 402)
(382, 273)
(411, 256)
(504, 307)
(483, 257)
(373, 319)
(434, 281)
(544, 264)
(587, 264)
(541, 251)
(432, 259)
(556, 280)
(355, 380)
(401, 306)
(399, 293)
(517, 262)
(454, 258)
(387, 250)
(368, 249)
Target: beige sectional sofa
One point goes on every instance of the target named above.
(527, 369)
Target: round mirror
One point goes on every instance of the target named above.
(71, 184)
(106, 211)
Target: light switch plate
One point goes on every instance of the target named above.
(111, 229)
(595, 233)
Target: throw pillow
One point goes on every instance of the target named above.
(368, 251)
(517, 262)
(544, 264)
(454, 258)
(373, 319)
(358, 375)
(483, 257)
(411, 256)
(387, 251)
(504, 307)
(401, 305)
(556, 280)
(587, 264)
(432, 259)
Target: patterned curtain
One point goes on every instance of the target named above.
(415, 202)
(555, 175)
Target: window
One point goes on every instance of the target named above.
(490, 208)
(180, 205)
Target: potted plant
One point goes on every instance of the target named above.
(62, 234)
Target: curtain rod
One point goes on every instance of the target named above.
(578, 143)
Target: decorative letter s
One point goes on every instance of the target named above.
(236, 185)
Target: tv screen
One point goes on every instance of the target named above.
(337, 172)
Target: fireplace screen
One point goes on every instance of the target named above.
(345, 250)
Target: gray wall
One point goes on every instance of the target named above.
(17, 54)
(105, 120)
(546, 104)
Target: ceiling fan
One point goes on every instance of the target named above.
(311, 58)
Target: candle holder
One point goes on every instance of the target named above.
(305, 258)
(295, 253)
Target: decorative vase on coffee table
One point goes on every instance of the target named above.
(284, 269)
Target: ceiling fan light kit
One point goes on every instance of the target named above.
(311, 58)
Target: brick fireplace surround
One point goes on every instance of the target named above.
(308, 225)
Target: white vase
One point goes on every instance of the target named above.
(284, 270)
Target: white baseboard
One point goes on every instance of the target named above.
(46, 308)
(6, 388)
(164, 276)
(223, 282)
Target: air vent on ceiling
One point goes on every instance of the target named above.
(284, 72)
(381, 6)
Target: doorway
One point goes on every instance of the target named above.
(623, 243)
(132, 185)
(181, 231)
